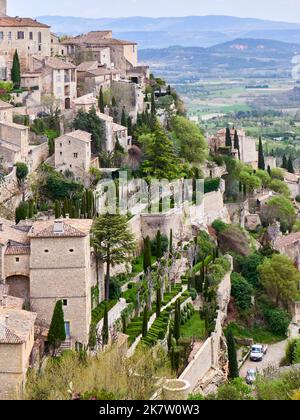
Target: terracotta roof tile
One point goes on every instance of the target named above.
(287, 240)
(71, 228)
(15, 325)
(21, 22)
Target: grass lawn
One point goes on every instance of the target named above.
(258, 334)
(194, 327)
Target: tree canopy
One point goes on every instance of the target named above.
(90, 122)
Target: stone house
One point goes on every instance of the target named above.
(73, 153)
(6, 112)
(25, 35)
(60, 269)
(115, 132)
(16, 344)
(94, 44)
(293, 182)
(84, 103)
(14, 144)
(58, 79)
(56, 48)
(289, 245)
(91, 77)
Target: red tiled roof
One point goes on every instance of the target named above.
(17, 250)
(287, 240)
(71, 228)
(21, 22)
(8, 337)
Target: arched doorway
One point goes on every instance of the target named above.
(67, 103)
(19, 286)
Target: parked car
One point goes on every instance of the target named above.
(251, 377)
(258, 352)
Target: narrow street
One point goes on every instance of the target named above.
(272, 359)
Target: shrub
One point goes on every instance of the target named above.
(164, 245)
(211, 185)
(278, 321)
(219, 226)
(242, 291)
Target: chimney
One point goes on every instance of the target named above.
(1, 227)
(67, 216)
(58, 226)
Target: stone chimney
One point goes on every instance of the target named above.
(3, 7)
(58, 226)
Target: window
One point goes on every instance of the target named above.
(46, 251)
(31, 36)
(39, 37)
(1, 36)
(60, 153)
(75, 155)
(40, 48)
(60, 144)
(71, 250)
(17, 259)
(20, 35)
(68, 330)
(65, 302)
(70, 166)
(9, 36)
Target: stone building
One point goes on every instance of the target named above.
(115, 132)
(91, 77)
(102, 47)
(26, 35)
(289, 245)
(58, 79)
(73, 153)
(60, 269)
(16, 344)
(247, 152)
(293, 182)
(14, 143)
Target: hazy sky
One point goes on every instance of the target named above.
(287, 10)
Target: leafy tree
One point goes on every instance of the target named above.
(16, 71)
(280, 278)
(147, 263)
(101, 101)
(90, 122)
(59, 188)
(290, 166)
(248, 267)
(145, 322)
(160, 159)
(113, 242)
(189, 139)
(21, 212)
(277, 173)
(264, 176)
(242, 292)
(105, 331)
(235, 390)
(280, 187)
(251, 181)
(232, 355)
(57, 332)
(22, 172)
(57, 209)
(153, 105)
(281, 209)
(278, 321)
(228, 140)
(261, 158)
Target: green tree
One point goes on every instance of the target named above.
(232, 355)
(228, 140)
(145, 322)
(158, 302)
(159, 252)
(161, 161)
(22, 172)
(101, 102)
(280, 278)
(236, 142)
(90, 122)
(113, 242)
(177, 320)
(124, 118)
(129, 126)
(105, 329)
(281, 209)
(147, 263)
(290, 166)
(57, 209)
(153, 105)
(22, 212)
(171, 242)
(16, 71)
(189, 140)
(261, 158)
(242, 292)
(284, 162)
(57, 332)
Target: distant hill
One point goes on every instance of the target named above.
(203, 31)
(238, 58)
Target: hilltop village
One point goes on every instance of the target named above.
(177, 293)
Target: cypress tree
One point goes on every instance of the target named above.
(105, 333)
(16, 71)
(290, 166)
(171, 242)
(123, 118)
(129, 125)
(113, 102)
(228, 140)
(261, 158)
(30, 209)
(158, 245)
(57, 209)
(21, 212)
(158, 302)
(83, 207)
(147, 254)
(237, 143)
(177, 320)
(269, 170)
(170, 340)
(153, 106)
(145, 322)
(284, 162)
(101, 101)
(232, 356)
(57, 331)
